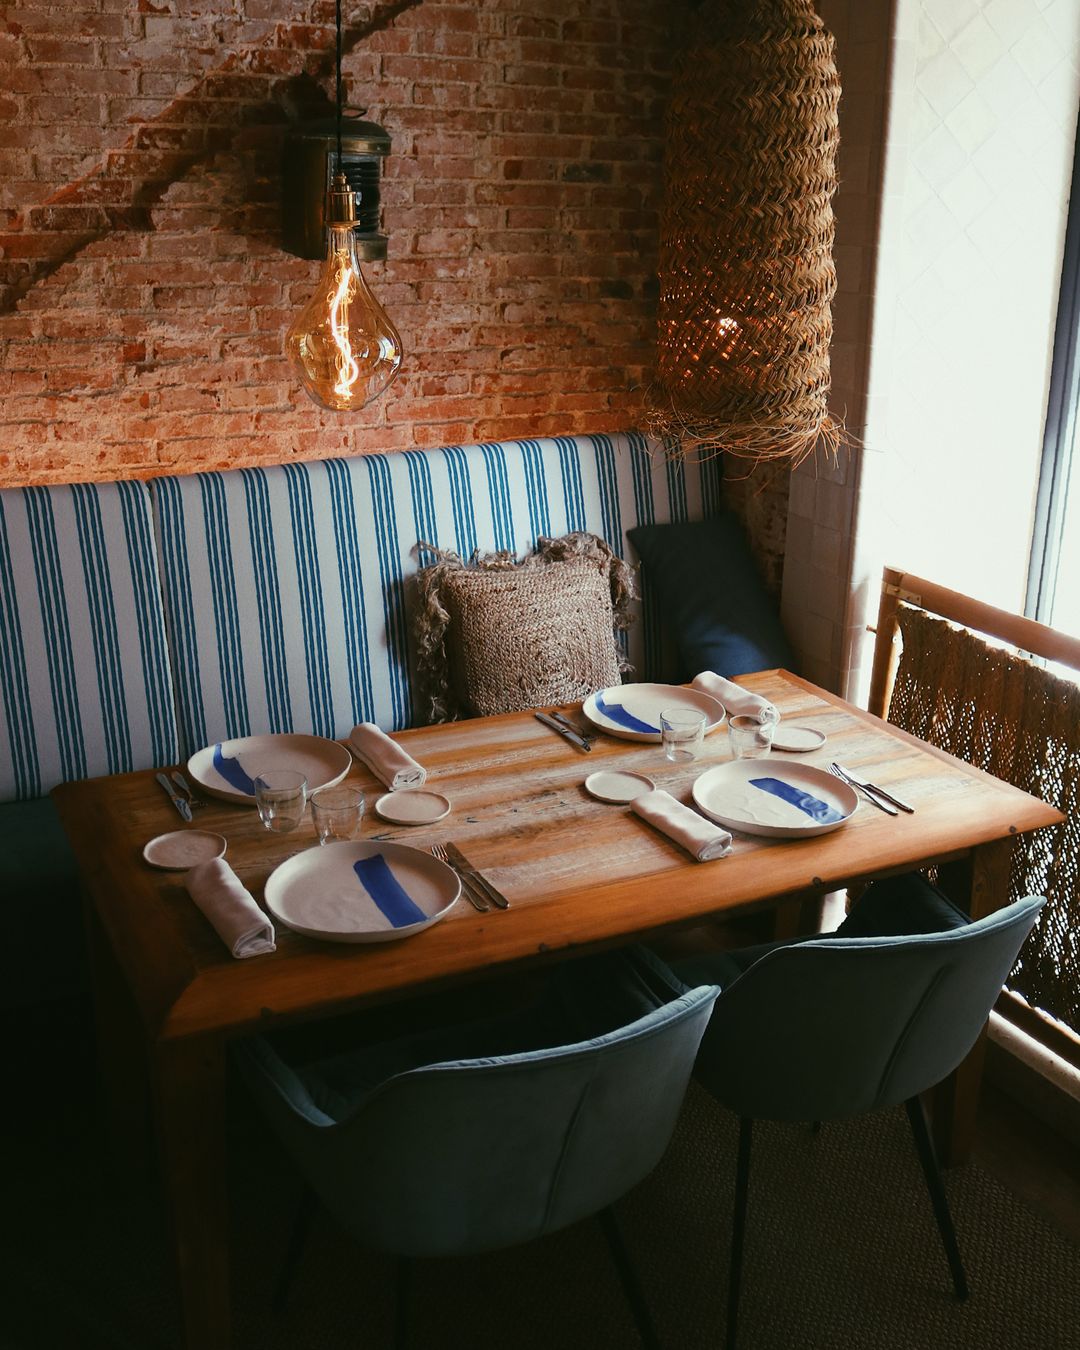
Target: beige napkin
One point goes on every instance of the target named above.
(696, 834)
(236, 918)
(385, 758)
(737, 700)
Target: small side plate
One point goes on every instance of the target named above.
(412, 806)
(617, 785)
(182, 849)
(797, 740)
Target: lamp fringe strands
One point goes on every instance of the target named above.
(746, 235)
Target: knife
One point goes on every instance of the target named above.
(564, 721)
(574, 737)
(838, 772)
(467, 870)
(880, 791)
(181, 805)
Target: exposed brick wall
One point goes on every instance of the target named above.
(143, 294)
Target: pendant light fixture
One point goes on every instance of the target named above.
(746, 234)
(343, 345)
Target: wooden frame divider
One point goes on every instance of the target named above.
(1027, 636)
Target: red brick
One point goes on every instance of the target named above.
(62, 51)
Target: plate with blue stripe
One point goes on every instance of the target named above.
(227, 769)
(361, 891)
(775, 798)
(632, 711)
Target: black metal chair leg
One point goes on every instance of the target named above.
(927, 1157)
(297, 1241)
(627, 1274)
(401, 1320)
(738, 1227)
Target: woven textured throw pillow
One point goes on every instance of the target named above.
(495, 635)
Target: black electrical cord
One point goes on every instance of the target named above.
(337, 86)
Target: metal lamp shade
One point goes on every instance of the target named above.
(310, 163)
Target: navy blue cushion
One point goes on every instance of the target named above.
(711, 597)
(39, 881)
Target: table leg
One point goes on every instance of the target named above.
(190, 1101)
(123, 1080)
(955, 1101)
(797, 916)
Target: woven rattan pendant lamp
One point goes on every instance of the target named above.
(746, 234)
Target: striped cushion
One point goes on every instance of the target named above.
(284, 586)
(85, 684)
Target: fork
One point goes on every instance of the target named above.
(837, 772)
(587, 736)
(478, 901)
(185, 787)
(875, 789)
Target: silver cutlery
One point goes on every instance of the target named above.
(181, 803)
(568, 734)
(873, 787)
(474, 896)
(837, 772)
(185, 787)
(491, 892)
(563, 720)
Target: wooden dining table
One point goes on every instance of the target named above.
(580, 874)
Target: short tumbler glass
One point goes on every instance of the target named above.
(682, 731)
(750, 739)
(336, 812)
(280, 795)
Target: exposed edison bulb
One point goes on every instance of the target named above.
(343, 345)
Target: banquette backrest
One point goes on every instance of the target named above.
(85, 677)
(140, 621)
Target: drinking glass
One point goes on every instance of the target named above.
(682, 731)
(280, 795)
(336, 812)
(750, 739)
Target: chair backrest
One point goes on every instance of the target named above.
(473, 1155)
(842, 1025)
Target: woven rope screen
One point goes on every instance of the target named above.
(1021, 723)
(746, 234)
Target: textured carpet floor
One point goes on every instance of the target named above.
(842, 1253)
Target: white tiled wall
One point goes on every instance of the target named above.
(945, 312)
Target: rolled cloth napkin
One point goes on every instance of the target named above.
(236, 918)
(385, 758)
(737, 700)
(697, 835)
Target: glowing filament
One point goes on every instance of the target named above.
(348, 372)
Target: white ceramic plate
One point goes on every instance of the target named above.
(788, 801)
(797, 740)
(322, 763)
(413, 806)
(632, 711)
(617, 785)
(182, 849)
(402, 891)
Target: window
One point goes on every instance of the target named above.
(1053, 595)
